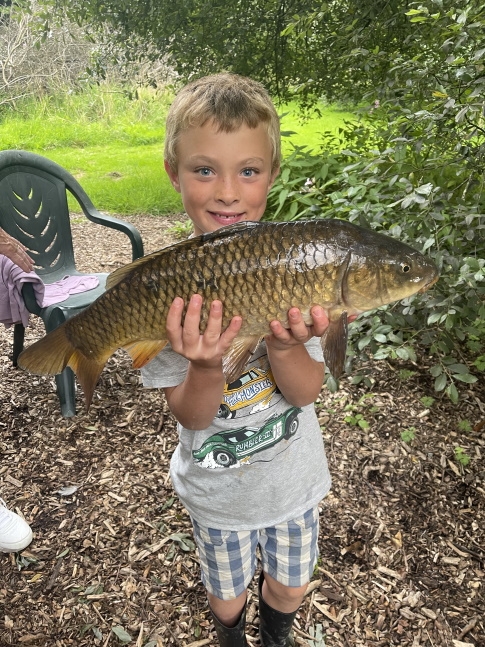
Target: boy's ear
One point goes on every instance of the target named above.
(173, 175)
(273, 177)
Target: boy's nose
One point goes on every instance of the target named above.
(226, 191)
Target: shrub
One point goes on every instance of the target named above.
(393, 188)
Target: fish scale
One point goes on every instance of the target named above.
(258, 271)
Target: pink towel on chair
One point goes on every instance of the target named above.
(12, 306)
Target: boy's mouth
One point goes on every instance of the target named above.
(226, 217)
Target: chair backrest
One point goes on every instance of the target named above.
(34, 210)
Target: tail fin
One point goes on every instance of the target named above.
(51, 354)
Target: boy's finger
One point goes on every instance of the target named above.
(320, 320)
(232, 330)
(298, 327)
(174, 317)
(214, 322)
(192, 316)
(279, 331)
(191, 325)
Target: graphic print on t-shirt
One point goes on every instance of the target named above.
(253, 391)
(230, 448)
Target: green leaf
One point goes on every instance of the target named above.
(416, 12)
(121, 634)
(282, 196)
(440, 382)
(382, 339)
(452, 393)
(183, 540)
(363, 342)
(293, 210)
(424, 189)
(436, 370)
(465, 377)
(402, 353)
(458, 368)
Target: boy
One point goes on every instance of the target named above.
(250, 465)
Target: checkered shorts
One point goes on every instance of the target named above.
(228, 558)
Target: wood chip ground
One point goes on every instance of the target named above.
(113, 563)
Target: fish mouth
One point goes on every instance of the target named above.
(429, 284)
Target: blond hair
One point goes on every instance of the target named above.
(229, 100)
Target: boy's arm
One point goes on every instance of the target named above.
(299, 377)
(195, 401)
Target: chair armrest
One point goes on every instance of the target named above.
(28, 295)
(115, 223)
(96, 216)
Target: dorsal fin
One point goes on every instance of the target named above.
(230, 230)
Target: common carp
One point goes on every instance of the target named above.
(259, 271)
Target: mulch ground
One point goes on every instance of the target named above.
(113, 563)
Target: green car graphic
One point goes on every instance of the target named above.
(228, 447)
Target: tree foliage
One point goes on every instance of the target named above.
(287, 44)
(412, 167)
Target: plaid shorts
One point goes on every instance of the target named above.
(228, 558)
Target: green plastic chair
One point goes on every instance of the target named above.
(34, 210)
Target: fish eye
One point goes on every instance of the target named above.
(405, 267)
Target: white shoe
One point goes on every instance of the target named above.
(15, 533)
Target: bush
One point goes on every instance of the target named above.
(394, 189)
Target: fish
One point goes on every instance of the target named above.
(258, 270)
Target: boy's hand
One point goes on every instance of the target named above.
(298, 333)
(282, 338)
(207, 349)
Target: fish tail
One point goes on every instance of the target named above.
(51, 354)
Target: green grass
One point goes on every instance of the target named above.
(308, 132)
(113, 143)
(121, 179)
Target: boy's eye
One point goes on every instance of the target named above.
(204, 171)
(249, 172)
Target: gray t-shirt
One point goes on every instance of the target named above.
(261, 462)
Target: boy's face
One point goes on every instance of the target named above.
(223, 178)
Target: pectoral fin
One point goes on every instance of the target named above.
(144, 350)
(237, 357)
(334, 344)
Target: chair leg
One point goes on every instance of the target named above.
(66, 392)
(66, 389)
(18, 342)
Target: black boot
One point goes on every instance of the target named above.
(231, 636)
(274, 626)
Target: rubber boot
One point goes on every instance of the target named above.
(274, 626)
(231, 636)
